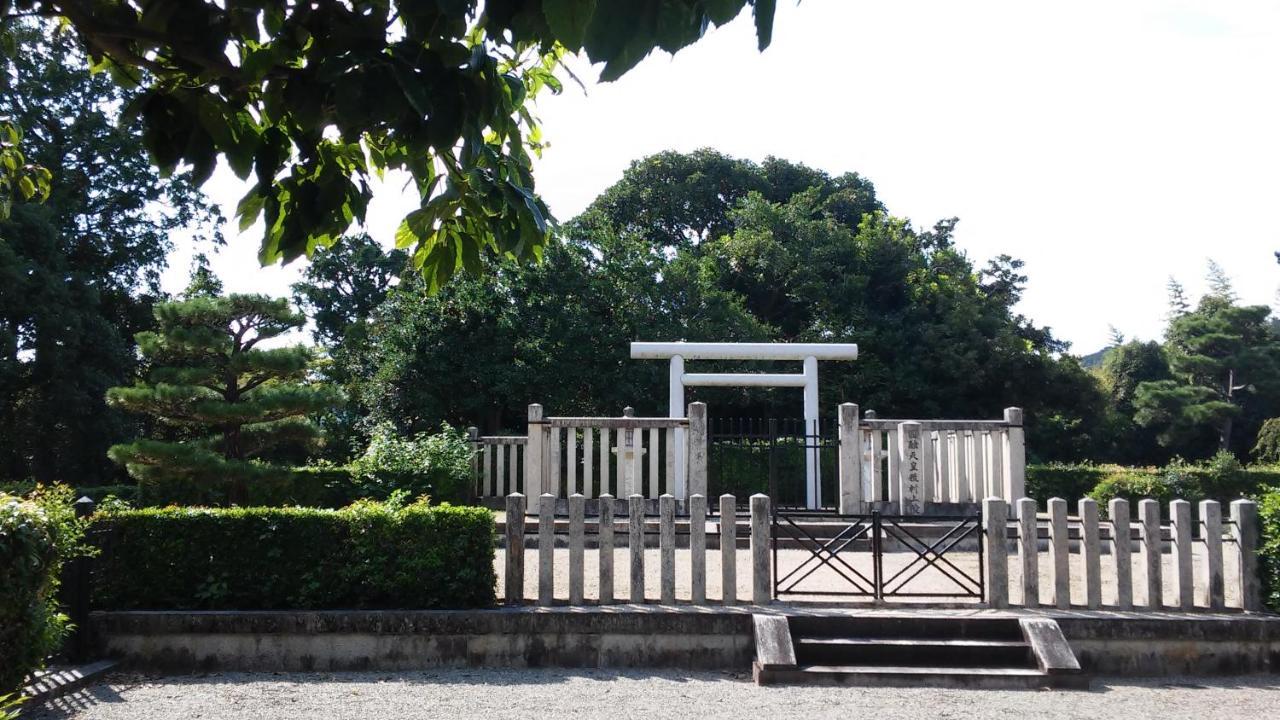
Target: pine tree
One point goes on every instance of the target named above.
(1179, 305)
(1222, 356)
(1220, 285)
(1116, 338)
(210, 378)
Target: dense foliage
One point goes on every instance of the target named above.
(209, 376)
(1269, 548)
(369, 555)
(342, 288)
(1224, 360)
(312, 99)
(1069, 481)
(1267, 446)
(702, 246)
(436, 465)
(1222, 478)
(37, 534)
(80, 272)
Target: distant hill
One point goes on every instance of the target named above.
(1094, 360)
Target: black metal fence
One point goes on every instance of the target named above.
(880, 556)
(768, 455)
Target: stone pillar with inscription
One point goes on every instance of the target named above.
(910, 468)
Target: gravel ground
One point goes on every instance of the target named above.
(492, 694)
(826, 579)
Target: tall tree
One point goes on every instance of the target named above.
(341, 291)
(1125, 367)
(344, 284)
(79, 273)
(556, 333)
(702, 246)
(1179, 305)
(1224, 358)
(313, 98)
(1220, 284)
(208, 376)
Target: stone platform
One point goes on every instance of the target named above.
(681, 636)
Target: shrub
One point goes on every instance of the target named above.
(1220, 478)
(37, 535)
(1134, 485)
(128, 493)
(438, 465)
(1269, 547)
(325, 487)
(369, 555)
(1065, 480)
(1267, 447)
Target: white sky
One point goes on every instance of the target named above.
(1108, 143)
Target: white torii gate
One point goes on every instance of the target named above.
(808, 353)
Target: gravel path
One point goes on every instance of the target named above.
(494, 694)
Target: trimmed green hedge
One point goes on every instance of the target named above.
(1065, 480)
(305, 487)
(1221, 478)
(437, 465)
(365, 556)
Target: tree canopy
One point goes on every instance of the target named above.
(311, 100)
(1225, 365)
(209, 376)
(702, 246)
(81, 271)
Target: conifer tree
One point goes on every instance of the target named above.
(211, 378)
(1221, 356)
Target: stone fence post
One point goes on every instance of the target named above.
(1015, 455)
(513, 585)
(533, 455)
(1244, 528)
(995, 515)
(697, 451)
(850, 466)
(761, 577)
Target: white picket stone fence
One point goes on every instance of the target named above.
(914, 463)
(909, 464)
(607, 537)
(1045, 555)
(596, 456)
(1119, 536)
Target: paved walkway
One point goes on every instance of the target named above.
(496, 694)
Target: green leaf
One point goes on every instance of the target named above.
(27, 187)
(249, 208)
(722, 11)
(568, 20)
(764, 10)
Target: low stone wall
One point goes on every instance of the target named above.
(620, 636)
(689, 637)
(1175, 644)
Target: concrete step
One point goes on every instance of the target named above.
(914, 649)
(913, 652)
(906, 627)
(911, 676)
